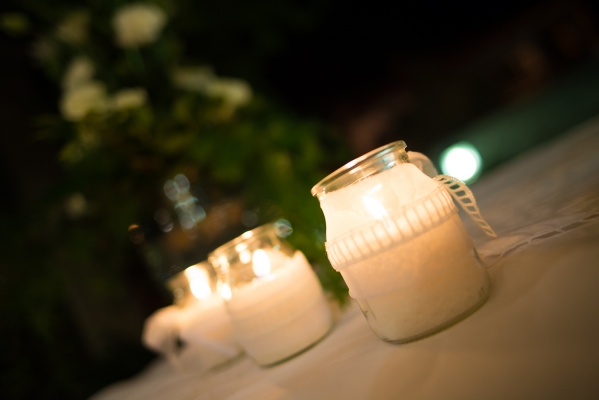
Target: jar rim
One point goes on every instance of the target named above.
(247, 236)
(343, 176)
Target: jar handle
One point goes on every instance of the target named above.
(465, 198)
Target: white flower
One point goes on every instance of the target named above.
(138, 24)
(129, 98)
(76, 103)
(193, 78)
(80, 71)
(234, 92)
(73, 29)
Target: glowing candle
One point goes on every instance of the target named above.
(395, 236)
(199, 319)
(274, 299)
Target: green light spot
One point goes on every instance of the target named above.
(462, 161)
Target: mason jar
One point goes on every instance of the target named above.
(395, 236)
(273, 296)
(198, 319)
(194, 284)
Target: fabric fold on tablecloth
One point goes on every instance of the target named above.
(204, 330)
(546, 192)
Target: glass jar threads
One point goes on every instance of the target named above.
(275, 301)
(395, 236)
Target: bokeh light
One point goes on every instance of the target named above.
(283, 228)
(463, 161)
(136, 234)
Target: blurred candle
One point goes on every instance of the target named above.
(198, 318)
(273, 296)
(395, 236)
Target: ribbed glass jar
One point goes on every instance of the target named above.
(273, 296)
(395, 236)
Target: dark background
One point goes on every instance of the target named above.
(505, 75)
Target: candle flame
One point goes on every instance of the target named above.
(200, 289)
(199, 282)
(261, 263)
(223, 264)
(245, 256)
(241, 247)
(194, 272)
(225, 291)
(375, 208)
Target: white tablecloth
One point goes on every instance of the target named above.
(537, 337)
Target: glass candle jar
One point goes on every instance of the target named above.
(193, 284)
(198, 318)
(395, 236)
(274, 299)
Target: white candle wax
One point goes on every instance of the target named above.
(205, 328)
(200, 321)
(281, 313)
(403, 251)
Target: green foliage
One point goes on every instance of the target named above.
(131, 118)
(239, 143)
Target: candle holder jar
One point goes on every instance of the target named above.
(198, 319)
(193, 284)
(275, 301)
(395, 236)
